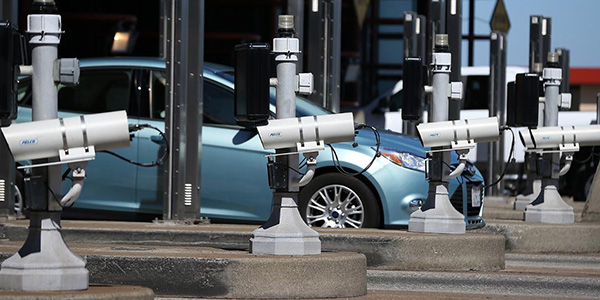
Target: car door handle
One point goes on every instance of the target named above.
(157, 139)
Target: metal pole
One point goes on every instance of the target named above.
(324, 47)
(564, 61)
(163, 28)
(598, 108)
(546, 39)
(335, 56)
(435, 25)
(454, 31)
(497, 107)
(471, 31)
(437, 214)
(273, 237)
(410, 34)
(7, 172)
(421, 26)
(536, 48)
(296, 9)
(183, 122)
(411, 48)
(44, 262)
(9, 11)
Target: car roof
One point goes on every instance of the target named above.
(143, 62)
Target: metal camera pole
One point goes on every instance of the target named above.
(44, 263)
(549, 207)
(285, 233)
(438, 215)
(538, 33)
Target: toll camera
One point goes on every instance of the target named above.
(307, 133)
(565, 138)
(459, 134)
(70, 139)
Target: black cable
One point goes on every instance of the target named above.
(510, 158)
(158, 162)
(336, 160)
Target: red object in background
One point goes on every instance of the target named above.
(579, 76)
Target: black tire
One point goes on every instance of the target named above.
(371, 216)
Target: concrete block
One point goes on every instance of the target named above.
(443, 218)
(524, 237)
(94, 292)
(552, 209)
(44, 262)
(289, 236)
(215, 273)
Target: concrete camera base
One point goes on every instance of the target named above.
(442, 218)
(523, 200)
(44, 262)
(285, 233)
(94, 292)
(552, 210)
(215, 273)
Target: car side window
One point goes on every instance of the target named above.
(218, 101)
(98, 91)
(218, 105)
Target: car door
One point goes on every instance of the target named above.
(234, 181)
(110, 182)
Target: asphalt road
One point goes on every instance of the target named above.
(551, 276)
(527, 276)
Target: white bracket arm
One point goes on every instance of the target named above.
(77, 185)
(462, 158)
(311, 167)
(568, 162)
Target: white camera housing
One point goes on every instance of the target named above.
(307, 133)
(70, 139)
(565, 138)
(459, 134)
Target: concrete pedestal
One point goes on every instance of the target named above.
(443, 218)
(44, 263)
(285, 233)
(523, 200)
(552, 209)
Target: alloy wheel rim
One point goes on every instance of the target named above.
(335, 206)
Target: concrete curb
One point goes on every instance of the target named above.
(384, 249)
(215, 273)
(547, 238)
(95, 292)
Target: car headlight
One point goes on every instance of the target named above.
(404, 159)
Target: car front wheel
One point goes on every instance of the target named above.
(338, 201)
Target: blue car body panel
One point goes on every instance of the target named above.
(233, 171)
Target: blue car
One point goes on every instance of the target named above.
(234, 174)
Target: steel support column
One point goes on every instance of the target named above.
(324, 50)
(454, 31)
(497, 107)
(183, 122)
(296, 9)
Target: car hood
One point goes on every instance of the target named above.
(400, 142)
(393, 141)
